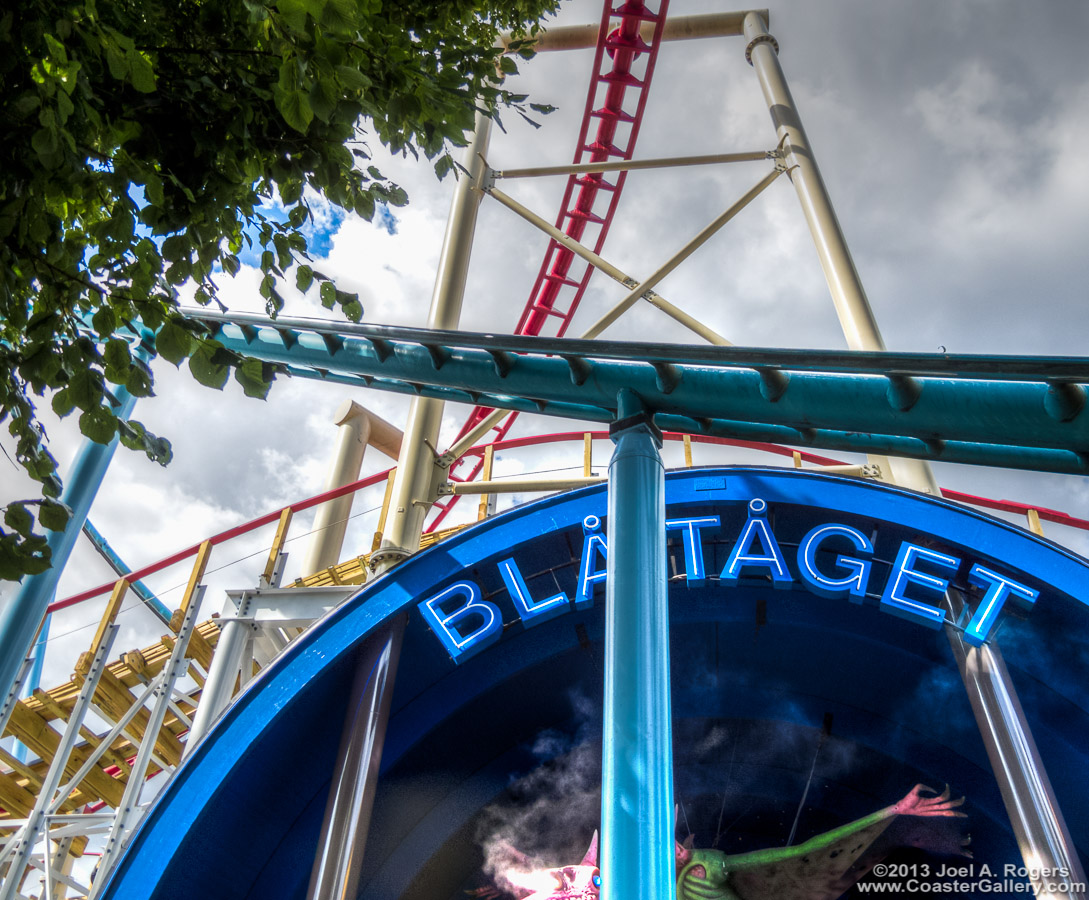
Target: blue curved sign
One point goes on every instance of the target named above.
(843, 551)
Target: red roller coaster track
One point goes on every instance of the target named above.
(1008, 506)
(589, 201)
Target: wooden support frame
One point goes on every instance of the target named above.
(1034, 522)
(486, 475)
(384, 514)
(109, 616)
(277, 546)
(34, 731)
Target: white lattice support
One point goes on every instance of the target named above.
(103, 745)
(23, 841)
(128, 814)
(13, 694)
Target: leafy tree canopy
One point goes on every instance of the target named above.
(139, 140)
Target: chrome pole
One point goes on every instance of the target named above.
(337, 865)
(1038, 825)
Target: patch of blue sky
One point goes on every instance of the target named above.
(384, 218)
(319, 230)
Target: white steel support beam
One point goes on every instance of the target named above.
(609, 269)
(643, 290)
(236, 628)
(22, 843)
(129, 813)
(418, 474)
(684, 28)
(681, 255)
(359, 429)
(60, 863)
(517, 485)
(103, 746)
(288, 607)
(856, 317)
(628, 165)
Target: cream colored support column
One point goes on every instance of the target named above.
(1038, 825)
(359, 428)
(418, 474)
(856, 318)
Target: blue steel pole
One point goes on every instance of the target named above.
(118, 565)
(19, 621)
(637, 858)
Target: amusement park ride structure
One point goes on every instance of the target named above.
(158, 704)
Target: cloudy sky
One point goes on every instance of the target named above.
(951, 135)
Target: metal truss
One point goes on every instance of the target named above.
(1018, 412)
(86, 784)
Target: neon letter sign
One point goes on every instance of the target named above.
(853, 586)
(742, 556)
(693, 549)
(531, 613)
(999, 588)
(449, 627)
(593, 545)
(895, 601)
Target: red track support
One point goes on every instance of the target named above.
(589, 201)
(533, 440)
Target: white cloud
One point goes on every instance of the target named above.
(959, 182)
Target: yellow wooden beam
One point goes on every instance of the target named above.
(489, 456)
(115, 700)
(20, 768)
(195, 576)
(109, 615)
(688, 450)
(277, 543)
(34, 731)
(377, 542)
(54, 709)
(17, 801)
(1034, 522)
(155, 656)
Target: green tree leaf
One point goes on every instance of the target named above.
(17, 517)
(205, 368)
(53, 515)
(141, 71)
(140, 142)
(304, 277)
(328, 294)
(295, 107)
(173, 343)
(253, 378)
(98, 424)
